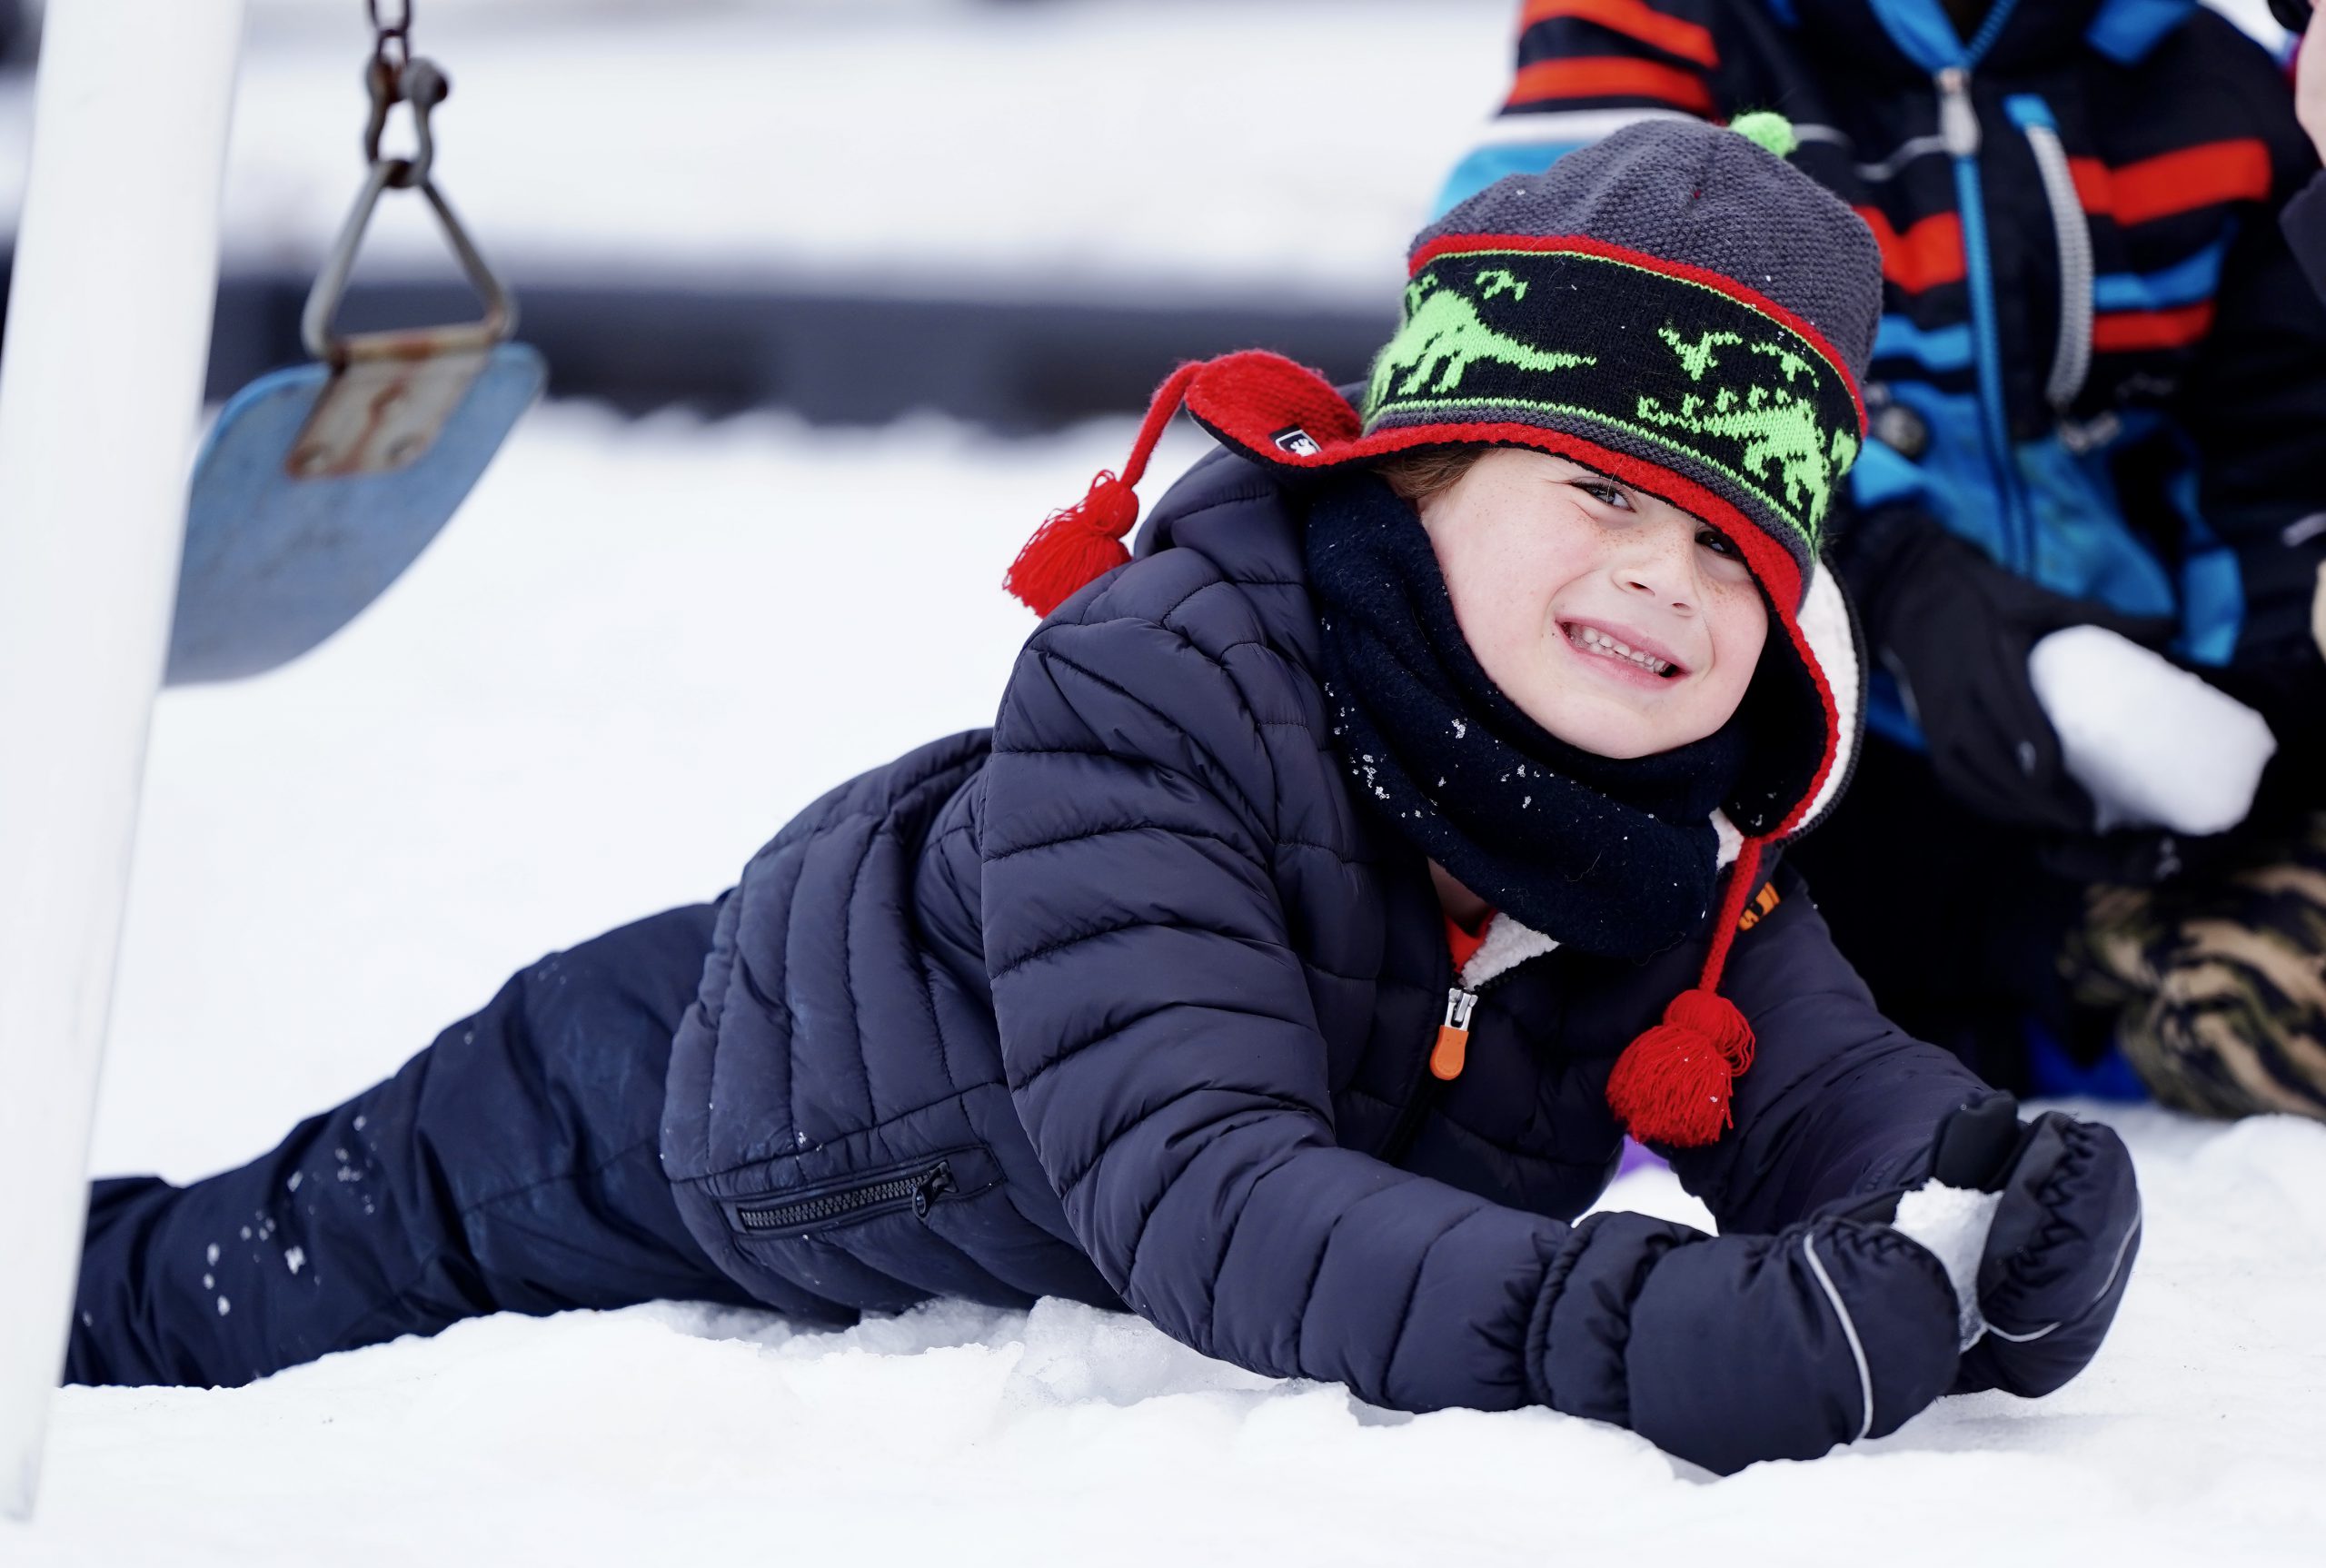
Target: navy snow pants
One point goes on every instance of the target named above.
(513, 1165)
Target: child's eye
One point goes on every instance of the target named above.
(1718, 544)
(1604, 493)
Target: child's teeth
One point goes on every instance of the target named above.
(1600, 642)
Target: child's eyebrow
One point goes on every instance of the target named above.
(1636, 496)
(1608, 479)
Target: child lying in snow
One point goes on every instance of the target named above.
(1285, 963)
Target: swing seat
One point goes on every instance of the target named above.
(286, 543)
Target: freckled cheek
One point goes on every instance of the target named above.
(1507, 595)
(1739, 634)
(1531, 580)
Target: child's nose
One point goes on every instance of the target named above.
(1660, 571)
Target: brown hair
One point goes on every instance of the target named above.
(1429, 472)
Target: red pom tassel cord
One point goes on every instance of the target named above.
(1083, 542)
(1672, 1085)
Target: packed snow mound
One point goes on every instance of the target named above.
(679, 1434)
(634, 654)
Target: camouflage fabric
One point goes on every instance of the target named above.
(2218, 988)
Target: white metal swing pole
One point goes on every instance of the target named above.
(108, 330)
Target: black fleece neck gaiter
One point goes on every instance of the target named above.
(1610, 857)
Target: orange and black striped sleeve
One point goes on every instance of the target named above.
(1586, 67)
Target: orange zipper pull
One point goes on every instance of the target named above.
(1447, 1056)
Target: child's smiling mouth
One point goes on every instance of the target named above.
(1605, 646)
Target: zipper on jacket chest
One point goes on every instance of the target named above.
(919, 1189)
(1448, 1054)
(1452, 1047)
(1958, 127)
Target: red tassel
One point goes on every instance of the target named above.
(1084, 541)
(1671, 1086)
(1077, 544)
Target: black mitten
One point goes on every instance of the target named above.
(2056, 1252)
(1954, 629)
(2057, 1258)
(1728, 1350)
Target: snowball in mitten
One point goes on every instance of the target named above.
(1953, 1222)
(2151, 744)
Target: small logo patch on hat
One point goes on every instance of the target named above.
(1297, 442)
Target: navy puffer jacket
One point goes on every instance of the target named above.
(1130, 1001)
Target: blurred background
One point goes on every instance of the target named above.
(1015, 211)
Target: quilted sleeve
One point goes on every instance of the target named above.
(1839, 1101)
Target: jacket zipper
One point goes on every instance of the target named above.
(1452, 1045)
(922, 1188)
(1958, 124)
(1448, 1054)
(1958, 127)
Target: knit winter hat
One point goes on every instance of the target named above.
(1676, 295)
(1675, 306)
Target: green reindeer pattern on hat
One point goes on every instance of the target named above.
(1444, 333)
(1672, 369)
(1776, 425)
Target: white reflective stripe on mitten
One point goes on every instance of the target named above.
(1952, 1223)
(2151, 744)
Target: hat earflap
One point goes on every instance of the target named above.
(1080, 543)
(1673, 1085)
(1257, 403)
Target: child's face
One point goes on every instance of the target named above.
(1550, 564)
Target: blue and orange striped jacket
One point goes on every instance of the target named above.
(2098, 359)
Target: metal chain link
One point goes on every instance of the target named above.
(394, 75)
(391, 32)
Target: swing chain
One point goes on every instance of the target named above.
(394, 75)
(391, 34)
(420, 86)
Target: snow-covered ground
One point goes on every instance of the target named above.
(638, 648)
